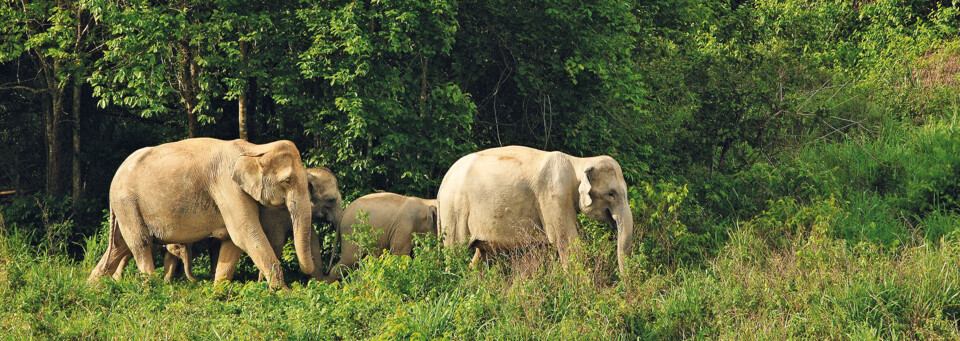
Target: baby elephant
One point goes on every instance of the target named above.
(398, 217)
(174, 254)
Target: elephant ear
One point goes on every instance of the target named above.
(248, 173)
(585, 186)
(310, 187)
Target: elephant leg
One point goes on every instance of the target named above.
(276, 236)
(213, 252)
(265, 260)
(116, 255)
(243, 225)
(143, 255)
(118, 274)
(348, 258)
(402, 245)
(227, 261)
(137, 236)
(560, 227)
(336, 272)
(170, 263)
(479, 256)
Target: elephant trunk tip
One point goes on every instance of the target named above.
(624, 225)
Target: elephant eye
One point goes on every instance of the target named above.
(612, 194)
(286, 180)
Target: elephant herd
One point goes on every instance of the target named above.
(231, 197)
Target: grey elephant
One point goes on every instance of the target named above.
(502, 198)
(398, 217)
(185, 191)
(276, 223)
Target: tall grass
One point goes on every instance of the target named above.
(856, 238)
(802, 284)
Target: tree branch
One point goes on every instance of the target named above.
(21, 87)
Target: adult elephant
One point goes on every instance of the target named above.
(504, 197)
(396, 216)
(185, 191)
(276, 223)
(327, 207)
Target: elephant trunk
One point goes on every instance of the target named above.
(300, 209)
(334, 217)
(623, 219)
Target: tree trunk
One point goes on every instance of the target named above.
(242, 112)
(52, 119)
(46, 105)
(77, 88)
(188, 79)
(193, 98)
(242, 99)
(423, 87)
(191, 119)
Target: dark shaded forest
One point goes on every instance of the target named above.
(793, 166)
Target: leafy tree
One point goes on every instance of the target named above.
(555, 75)
(250, 52)
(155, 58)
(55, 37)
(387, 115)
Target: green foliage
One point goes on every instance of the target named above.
(658, 228)
(388, 114)
(792, 166)
(42, 221)
(807, 284)
(364, 235)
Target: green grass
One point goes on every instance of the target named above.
(852, 239)
(808, 285)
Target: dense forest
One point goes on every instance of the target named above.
(793, 166)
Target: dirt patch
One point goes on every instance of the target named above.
(937, 68)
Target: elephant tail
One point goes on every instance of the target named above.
(114, 226)
(109, 263)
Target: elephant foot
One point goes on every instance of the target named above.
(478, 257)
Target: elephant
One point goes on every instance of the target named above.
(327, 207)
(501, 198)
(185, 191)
(174, 255)
(397, 216)
(276, 223)
(177, 252)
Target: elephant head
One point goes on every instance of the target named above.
(274, 176)
(603, 196)
(325, 195)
